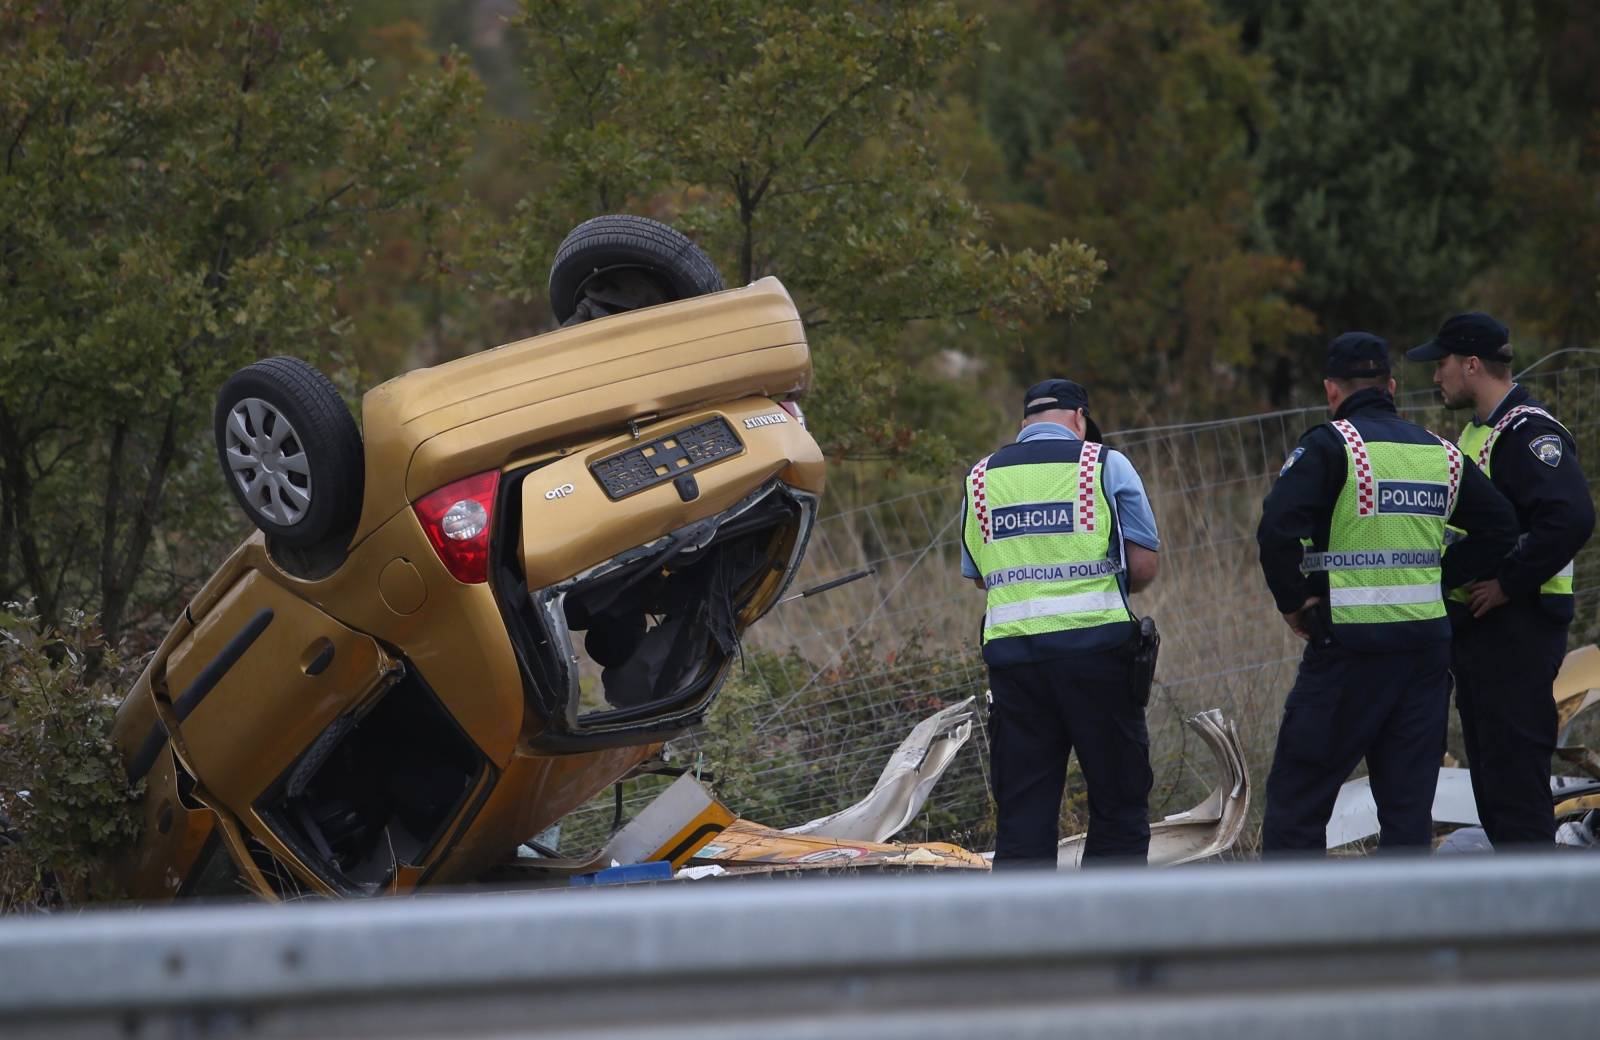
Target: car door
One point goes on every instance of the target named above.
(261, 677)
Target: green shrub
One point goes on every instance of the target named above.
(64, 795)
(736, 748)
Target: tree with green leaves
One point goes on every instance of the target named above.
(791, 138)
(185, 187)
(1380, 173)
(1542, 281)
(1130, 124)
(1543, 276)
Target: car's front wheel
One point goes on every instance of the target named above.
(290, 451)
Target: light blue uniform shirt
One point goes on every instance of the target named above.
(1122, 483)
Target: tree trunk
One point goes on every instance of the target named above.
(18, 482)
(118, 588)
(747, 260)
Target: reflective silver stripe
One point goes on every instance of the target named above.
(1567, 571)
(1385, 595)
(1050, 572)
(1049, 606)
(1368, 559)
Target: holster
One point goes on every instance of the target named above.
(1319, 624)
(1142, 651)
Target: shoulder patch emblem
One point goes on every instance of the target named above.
(1546, 449)
(1294, 456)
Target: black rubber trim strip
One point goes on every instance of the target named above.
(212, 673)
(145, 757)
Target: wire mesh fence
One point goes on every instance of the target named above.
(832, 683)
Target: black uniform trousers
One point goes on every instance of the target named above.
(1042, 712)
(1504, 665)
(1389, 708)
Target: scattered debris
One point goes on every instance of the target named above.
(686, 823)
(671, 828)
(631, 874)
(902, 789)
(1208, 829)
(746, 848)
(697, 873)
(1355, 813)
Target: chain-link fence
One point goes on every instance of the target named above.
(832, 683)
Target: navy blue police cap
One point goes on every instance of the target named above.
(1060, 393)
(1473, 334)
(1357, 355)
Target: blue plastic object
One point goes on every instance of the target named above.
(655, 870)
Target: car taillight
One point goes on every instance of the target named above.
(456, 519)
(793, 408)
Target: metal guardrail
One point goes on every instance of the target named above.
(1461, 948)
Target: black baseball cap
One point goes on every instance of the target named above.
(1060, 393)
(1357, 355)
(1473, 334)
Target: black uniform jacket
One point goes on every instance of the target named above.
(1300, 505)
(1555, 515)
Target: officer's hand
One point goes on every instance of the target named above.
(1297, 619)
(1484, 596)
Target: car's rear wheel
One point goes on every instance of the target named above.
(290, 451)
(617, 263)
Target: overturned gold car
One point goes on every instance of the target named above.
(380, 689)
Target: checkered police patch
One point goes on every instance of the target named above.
(1546, 449)
(1294, 456)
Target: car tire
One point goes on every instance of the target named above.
(617, 262)
(290, 451)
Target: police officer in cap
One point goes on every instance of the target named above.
(1351, 537)
(1058, 531)
(1510, 631)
